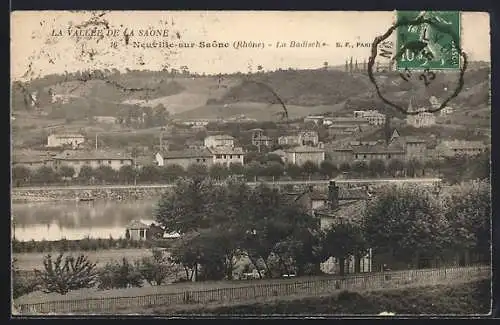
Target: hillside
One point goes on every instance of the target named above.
(304, 92)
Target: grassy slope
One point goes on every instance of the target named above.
(462, 299)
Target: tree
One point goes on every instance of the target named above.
(406, 221)
(395, 166)
(66, 172)
(156, 269)
(467, 209)
(273, 169)
(21, 285)
(21, 175)
(86, 173)
(62, 277)
(252, 170)
(44, 175)
(236, 169)
(171, 173)
(293, 170)
(345, 239)
(360, 168)
(310, 168)
(149, 173)
(126, 174)
(195, 170)
(120, 275)
(189, 206)
(412, 167)
(218, 171)
(328, 168)
(105, 174)
(344, 167)
(376, 167)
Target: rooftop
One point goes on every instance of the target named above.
(463, 144)
(187, 153)
(303, 149)
(68, 135)
(92, 155)
(227, 150)
(347, 210)
(220, 137)
(377, 149)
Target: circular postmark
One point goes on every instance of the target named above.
(423, 48)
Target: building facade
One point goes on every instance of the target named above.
(460, 148)
(300, 155)
(303, 138)
(78, 159)
(59, 140)
(184, 158)
(215, 141)
(227, 155)
(374, 117)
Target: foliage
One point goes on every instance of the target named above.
(21, 284)
(119, 275)
(328, 168)
(467, 209)
(64, 275)
(407, 222)
(343, 239)
(156, 269)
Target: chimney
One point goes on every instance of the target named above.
(333, 195)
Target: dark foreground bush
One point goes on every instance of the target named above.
(469, 298)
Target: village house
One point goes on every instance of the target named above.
(420, 120)
(59, 140)
(260, 139)
(374, 117)
(227, 155)
(379, 151)
(346, 129)
(214, 141)
(334, 206)
(93, 159)
(184, 158)
(460, 147)
(302, 138)
(32, 161)
(299, 155)
(316, 119)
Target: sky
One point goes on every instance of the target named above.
(36, 50)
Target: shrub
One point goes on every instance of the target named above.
(62, 277)
(157, 268)
(119, 275)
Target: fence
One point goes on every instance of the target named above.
(261, 291)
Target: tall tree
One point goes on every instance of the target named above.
(376, 167)
(406, 221)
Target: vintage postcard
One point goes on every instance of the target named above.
(227, 163)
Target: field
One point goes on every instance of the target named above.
(29, 261)
(451, 299)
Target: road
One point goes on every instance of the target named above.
(279, 183)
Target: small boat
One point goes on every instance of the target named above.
(85, 199)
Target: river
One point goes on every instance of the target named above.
(76, 220)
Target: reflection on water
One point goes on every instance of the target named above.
(77, 220)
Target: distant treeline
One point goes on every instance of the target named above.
(258, 166)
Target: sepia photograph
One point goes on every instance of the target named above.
(250, 163)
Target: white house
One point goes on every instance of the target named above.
(214, 141)
(58, 140)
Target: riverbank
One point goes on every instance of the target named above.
(30, 261)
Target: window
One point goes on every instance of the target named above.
(388, 156)
(197, 160)
(204, 160)
(230, 156)
(218, 156)
(356, 156)
(238, 156)
(109, 162)
(224, 156)
(141, 233)
(87, 162)
(121, 162)
(99, 161)
(364, 156)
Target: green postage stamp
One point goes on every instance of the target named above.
(428, 40)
